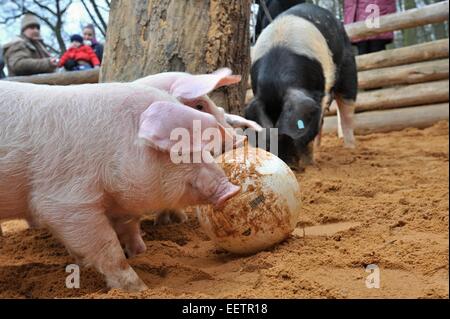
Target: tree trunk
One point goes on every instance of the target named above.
(195, 36)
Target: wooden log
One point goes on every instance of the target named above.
(404, 96)
(433, 13)
(405, 74)
(64, 78)
(394, 120)
(396, 97)
(412, 54)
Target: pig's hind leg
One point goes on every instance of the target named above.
(87, 233)
(129, 232)
(167, 217)
(346, 110)
(346, 91)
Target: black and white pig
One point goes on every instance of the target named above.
(300, 63)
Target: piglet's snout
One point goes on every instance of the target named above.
(214, 186)
(225, 191)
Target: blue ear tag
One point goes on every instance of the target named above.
(301, 125)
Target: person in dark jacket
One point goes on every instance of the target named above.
(27, 54)
(359, 10)
(90, 40)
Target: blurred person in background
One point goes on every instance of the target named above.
(27, 54)
(359, 10)
(79, 56)
(90, 40)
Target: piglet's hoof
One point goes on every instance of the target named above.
(135, 247)
(136, 287)
(126, 280)
(168, 217)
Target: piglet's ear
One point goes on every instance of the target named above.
(227, 78)
(162, 118)
(194, 86)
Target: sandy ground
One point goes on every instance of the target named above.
(385, 203)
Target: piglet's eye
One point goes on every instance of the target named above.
(199, 107)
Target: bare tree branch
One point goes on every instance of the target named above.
(99, 15)
(52, 49)
(20, 6)
(11, 18)
(44, 7)
(58, 10)
(94, 21)
(41, 17)
(63, 11)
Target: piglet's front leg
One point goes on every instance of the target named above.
(88, 234)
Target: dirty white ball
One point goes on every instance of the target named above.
(263, 213)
